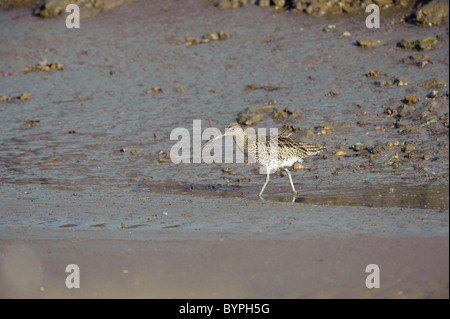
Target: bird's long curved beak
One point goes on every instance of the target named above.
(213, 139)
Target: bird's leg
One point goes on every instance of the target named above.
(265, 184)
(290, 179)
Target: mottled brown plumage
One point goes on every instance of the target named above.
(270, 151)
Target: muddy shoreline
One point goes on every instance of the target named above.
(85, 176)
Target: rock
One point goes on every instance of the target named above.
(375, 149)
(434, 83)
(433, 94)
(308, 133)
(374, 74)
(6, 98)
(416, 56)
(401, 82)
(25, 96)
(405, 109)
(434, 13)
(330, 28)
(279, 3)
(391, 144)
(155, 89)
(411, 99)
(384, 83)
(44, 66)
(51, 9)
(402, 4)
(367, 43)
(332, 93)
(348, 125)
(291, 113)
(358, 147)
(230, 171)
(224, 4)
(400, 124)
(423, 44)
(298, 166)
(340, 153)
(279, 114)
(254, 119)
(408, 148)
(264, 87)
(242, 119)
(213, 36)
(362, 123)
(32, 123)
(259, 109)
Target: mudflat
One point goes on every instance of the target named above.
(86, 175)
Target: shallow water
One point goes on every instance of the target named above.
(113, 59)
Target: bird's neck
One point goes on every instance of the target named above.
(242, 141)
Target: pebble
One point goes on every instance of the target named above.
(367, 43)
(434, 83)
(340, 153)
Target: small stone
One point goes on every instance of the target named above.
(259, 109)
(332, 93)
(433, 94)
(433, 13)
(298, 166)
(401, 83)
(230, 171)
(279, 114)
(254, 119)
(358, 147)
(32, 123)
(411, 99)
(384, 83)
(25, 96)
(392, 143)
(408, 148)
(242, 119)
(291, 113)
(340, 153)
(373, 74)
(224, 4)
(434, 83)
(423, 44)
(348, 125)
(362, 123)
(367, 43)
(264, 3)
(330, 28)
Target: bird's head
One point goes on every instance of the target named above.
(232, 130)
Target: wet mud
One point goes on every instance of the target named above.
(86, 116)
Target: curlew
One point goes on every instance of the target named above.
(270, 151)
